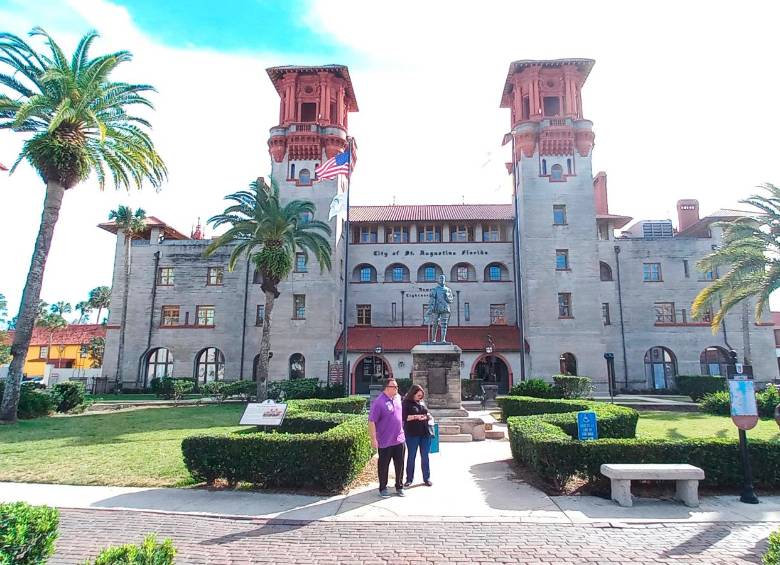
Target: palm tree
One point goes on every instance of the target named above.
(130, 224)
(100, 297)
(269, 234)
(84, 309)
(750, 252)
(79, 124)
(61, 308)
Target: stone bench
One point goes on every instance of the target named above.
(686, 476)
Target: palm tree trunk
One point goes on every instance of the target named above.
(265, 348)
(30, 297)
(125, 295)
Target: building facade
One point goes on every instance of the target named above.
(553, 269)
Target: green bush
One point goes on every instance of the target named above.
(27, 533)
(181, 387)
(324, 451)
(573, 387)
(348, 405)
(148, 553)
(537, 388)
(166, 388)
(304, 388)
(67, 395)
(767, 400)
(528, 406)
(470, 389)
(34, 402)
(772, 555)
(719, 402)
(244, 389)
(697, 386)
(215, 389)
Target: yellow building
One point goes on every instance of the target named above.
(64, 348)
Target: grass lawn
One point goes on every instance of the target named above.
(682, 425)
(134, 448)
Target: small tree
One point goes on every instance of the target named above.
(100, 298)
(84, 309)
(96, 348)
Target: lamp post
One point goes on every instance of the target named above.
(489, 345)
(610, 358)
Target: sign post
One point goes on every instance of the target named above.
(587, 426)
(268, 413)
(744, 414)
(610, 358)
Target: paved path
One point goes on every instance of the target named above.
(213, 540)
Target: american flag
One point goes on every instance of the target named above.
(338, 165)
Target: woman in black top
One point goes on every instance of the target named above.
(415, 416)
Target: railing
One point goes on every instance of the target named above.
(303, 127)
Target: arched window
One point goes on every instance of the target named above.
(297, 366)
(605, 271)
(544, 167)
(397, 273)
(568, 364)
(463, 272)
(210, 365)
(714, 361)
(364, 273)
(429, 272)
(304, 177)
(660, 367)
(496, 272)
(556, 172)
(159, 364)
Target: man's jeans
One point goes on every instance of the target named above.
(412, 444)
(396, 453)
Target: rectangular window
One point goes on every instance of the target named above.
(605, 314)
(561, 259)
(494, 273)
(552, 106)
(467, 311)
(260, 315)
(707, 275)
(300, 263)
(366, 274)
(393, 312)
(686, 269)
(399, 274)
(44, 354)
(169, 316)
(664, 312)
(308, 111)
(429, 274)
(299, 306)
(215, 276)
(498, 314)
(651, 272)
(603, 231)
(462, 274)
(204, 315)
(564, 305)
(461, 233)
(363, 314)
(428, 233)
(491, 232)
(396, 234)
(165, 276)
(559, 215)
(368, 235)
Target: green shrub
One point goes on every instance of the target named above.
(298, 388)
(537, 388)
(697, 386)
(166, 388)
(244, 389)
(215, 389)
(470, 389)
(27, 533)
(573, 387)
(767, 400)
(348, 405)
(772, 555)
(148, 553)
(717, 403)
(34, 402)
(324, 451)
(67, 395)
(528, 406)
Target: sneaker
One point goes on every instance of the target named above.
(384, 493)
(407, 484)
(428, 484)
(400, 492)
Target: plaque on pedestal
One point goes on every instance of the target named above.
(436, 368)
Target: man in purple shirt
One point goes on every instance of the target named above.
(385, 424)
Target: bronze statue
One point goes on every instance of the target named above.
(438, 313)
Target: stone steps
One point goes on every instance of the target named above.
(454, 438)
(494, 434)
(449, 429)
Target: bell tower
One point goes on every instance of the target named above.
(558, 248)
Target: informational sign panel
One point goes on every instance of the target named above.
(268, 413)
(587, 427)
(744, 410)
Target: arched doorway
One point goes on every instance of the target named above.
(660, 367)
(492, 369)
(209, 365)
(370, 370)
(158, 364)
(567, 364)
(714, 361)
(297, 366)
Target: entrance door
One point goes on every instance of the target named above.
(370, 370)
(492, 370)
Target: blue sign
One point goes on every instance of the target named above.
(587, 427)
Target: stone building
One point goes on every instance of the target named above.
(553, 269)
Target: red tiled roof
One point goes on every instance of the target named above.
(151, 222)
(74, 334)
(431, 212)
(472, 338)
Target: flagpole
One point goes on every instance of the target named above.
(345, 373)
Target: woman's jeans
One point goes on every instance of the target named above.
(424, 444)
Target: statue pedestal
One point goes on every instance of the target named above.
(436, 368)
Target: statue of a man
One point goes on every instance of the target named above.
(438, 312)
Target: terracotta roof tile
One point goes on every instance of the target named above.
(472, 338)
(74, 334)
(431, 212)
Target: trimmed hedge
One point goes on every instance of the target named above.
(697, 386)
(329, 453)
(719, 403)
(166, 388)
(573, 387)
(537, 388)
(348, 405)
(148, 553)
(27, 533)
(545, 444)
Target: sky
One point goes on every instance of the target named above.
(683, 98)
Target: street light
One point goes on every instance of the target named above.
(378, 348)
(489, 345)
